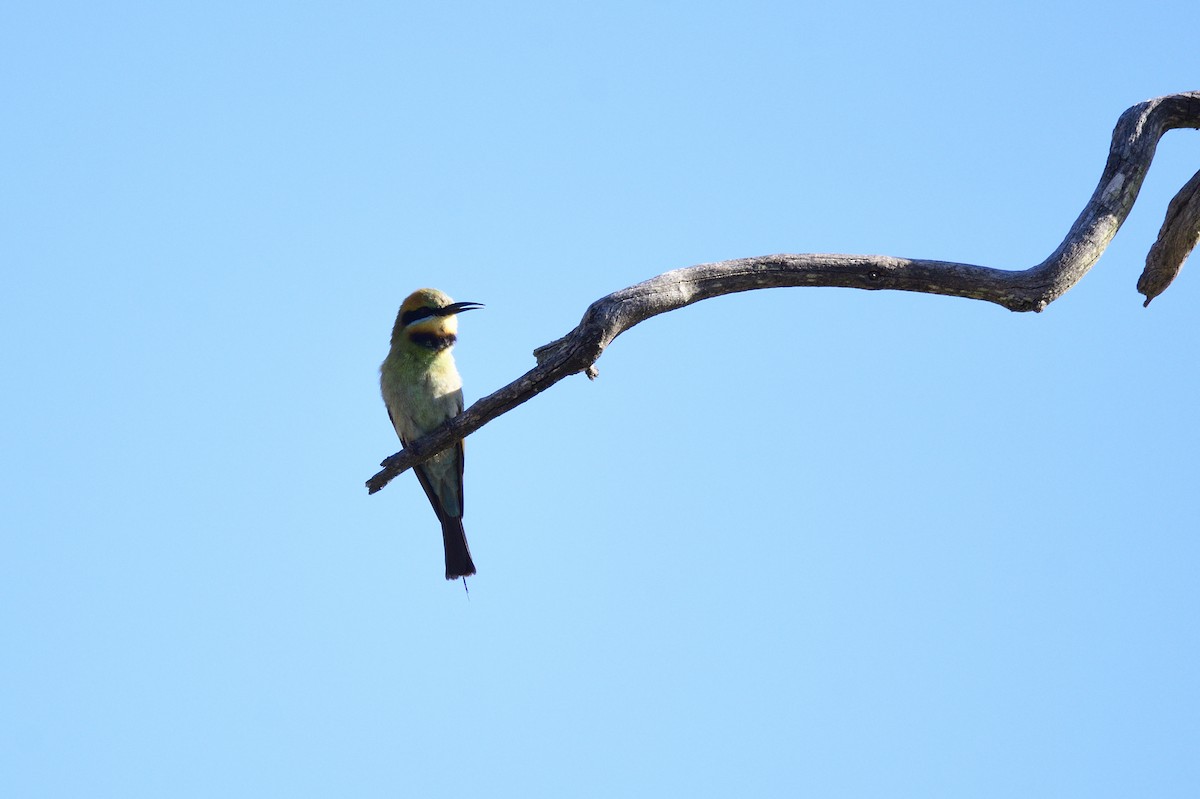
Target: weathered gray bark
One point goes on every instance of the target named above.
(1133, 144)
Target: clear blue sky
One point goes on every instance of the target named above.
(791, 543)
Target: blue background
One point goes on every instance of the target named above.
(792, 542)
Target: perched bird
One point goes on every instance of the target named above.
(421, 389)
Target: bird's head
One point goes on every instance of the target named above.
(428, 318)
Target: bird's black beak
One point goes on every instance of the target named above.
(458, 307)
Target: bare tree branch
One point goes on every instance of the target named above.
(1133, 144)
(1178, 236)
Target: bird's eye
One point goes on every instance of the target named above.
(416, 314)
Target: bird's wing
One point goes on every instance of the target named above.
(443, 481)
(423, 477)
(438, 477)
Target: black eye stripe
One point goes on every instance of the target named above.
(408, 317)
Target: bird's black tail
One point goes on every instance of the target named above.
(458, 555)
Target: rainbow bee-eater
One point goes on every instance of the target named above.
(422, 389)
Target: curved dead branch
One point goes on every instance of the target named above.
(1178, 236)
(1133, 144)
